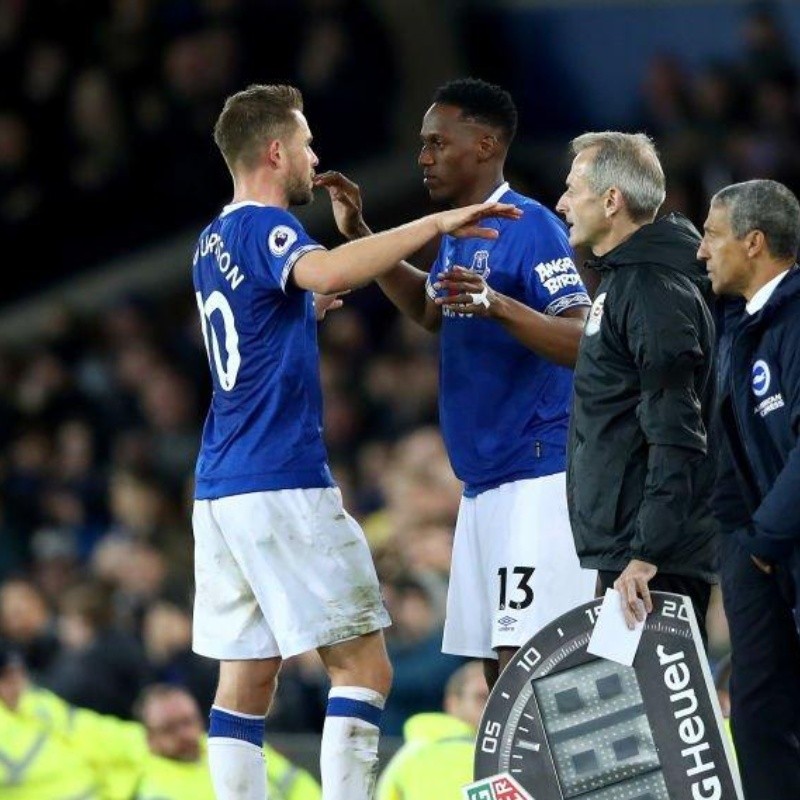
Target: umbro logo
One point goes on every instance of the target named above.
(506, 621)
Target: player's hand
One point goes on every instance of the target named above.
(762, 565)
(461, 222)
(467, 292)
(632, 585)
(346, 203)
(323, 303)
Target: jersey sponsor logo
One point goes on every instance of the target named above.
(497, 787)
(769, 404)
(280, 239)
(595, 315)
(761, 378)
(557, 274)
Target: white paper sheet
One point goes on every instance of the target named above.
(611, 638)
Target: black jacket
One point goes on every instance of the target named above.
(761, 416)
(639, 472)
(727, 499)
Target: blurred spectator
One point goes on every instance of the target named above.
(414, 643)
(32, 763)
(27, 623)
(167, 637)
(99, 667)
(766, 57)
(436, 758)
(340, 38)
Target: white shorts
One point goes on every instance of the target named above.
(514, 567)
(279, 573)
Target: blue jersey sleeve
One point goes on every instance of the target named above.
(436, 268)
(552, 282)
(279, 241)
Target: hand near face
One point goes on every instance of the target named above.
(346, 202)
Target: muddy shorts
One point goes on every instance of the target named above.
(281, 572)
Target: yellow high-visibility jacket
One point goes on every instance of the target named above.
(36, 764)
(435, 761)
(115, 749)
(167, 779)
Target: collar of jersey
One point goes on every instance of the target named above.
(236, 206)
(495, 196)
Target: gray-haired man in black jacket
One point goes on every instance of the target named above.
(639, 472)
(750, 244)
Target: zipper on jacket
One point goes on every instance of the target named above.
(538, 449)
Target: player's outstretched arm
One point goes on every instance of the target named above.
(359, 262)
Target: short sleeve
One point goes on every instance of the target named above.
(280, 241)
(552, 282)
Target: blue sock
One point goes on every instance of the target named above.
(349, 753)
(236, 755)
(233, 725)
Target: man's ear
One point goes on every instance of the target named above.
(755, 243)
(613, 201)
(487, 146)
(274, 154)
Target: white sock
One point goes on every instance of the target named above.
(349, 752)
(237, 765)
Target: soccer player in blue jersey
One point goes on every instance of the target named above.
(511, 313)
(280, 566)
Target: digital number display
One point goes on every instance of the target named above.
(599, 733)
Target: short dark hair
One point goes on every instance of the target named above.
(156, 691)
(766, 206)
(252, 117)
(481, 101)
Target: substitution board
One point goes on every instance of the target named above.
(562, 723)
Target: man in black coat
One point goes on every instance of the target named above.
(639, 474)
(750, 244)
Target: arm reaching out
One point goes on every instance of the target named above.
(358, 262)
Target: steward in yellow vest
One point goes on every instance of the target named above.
(436, 760)
(168, 779)
(35, 763)
(177, 766)
(115, 749)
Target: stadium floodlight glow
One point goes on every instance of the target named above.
(563, 724)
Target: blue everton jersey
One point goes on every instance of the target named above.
(264, 428)
(503, 409)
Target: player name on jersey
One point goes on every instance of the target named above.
(565, 724)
